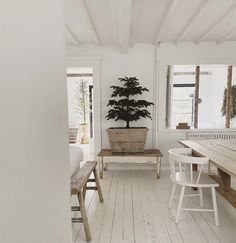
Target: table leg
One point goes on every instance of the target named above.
(224, 188)
(158, 167)
(194, 165)
(102, 166)
(226, 180)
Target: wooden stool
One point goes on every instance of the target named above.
(79, 187)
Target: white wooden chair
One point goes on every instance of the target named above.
(181, 165)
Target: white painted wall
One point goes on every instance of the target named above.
(149, 65)
(34, 173)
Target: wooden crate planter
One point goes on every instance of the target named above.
(127, 139)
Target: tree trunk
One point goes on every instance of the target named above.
(196, 96)
(127, 108)
(228, 98)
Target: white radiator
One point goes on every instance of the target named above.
(212, 134)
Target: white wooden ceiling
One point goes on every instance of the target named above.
(125, 22)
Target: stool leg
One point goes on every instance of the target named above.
(102, 169)
(158, 167)
(84, 216)
(84, 191)
(98, 185)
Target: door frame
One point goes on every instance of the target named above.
(95, 63)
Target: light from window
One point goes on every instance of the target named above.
(212, 82)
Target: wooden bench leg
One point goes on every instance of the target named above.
(102, 167)
(84, 216)
(158, 168)
(84, 191)
(98, 185)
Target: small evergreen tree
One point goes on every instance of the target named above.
(126, 108)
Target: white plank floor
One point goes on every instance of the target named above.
(136, 210)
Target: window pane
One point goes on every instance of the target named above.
(182, 93)
(211, 92)
(177, 118)
(182, 102)
(180, 106)
(213, 81)
(184, 74)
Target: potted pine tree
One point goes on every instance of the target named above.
(127, 108)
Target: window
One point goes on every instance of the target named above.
(198, 101)
(182, 103)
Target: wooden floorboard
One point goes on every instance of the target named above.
(108, 220)
(117, 224)
(154, 222)
(160, 203)
(135, 210)
(139, 223)
(128, 218)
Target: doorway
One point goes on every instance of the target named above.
(80, 108)
(88, 68)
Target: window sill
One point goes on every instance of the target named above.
(195, 130)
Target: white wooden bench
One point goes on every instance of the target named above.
(79, 186)
(149, 156)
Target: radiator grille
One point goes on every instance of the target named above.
(220, 134)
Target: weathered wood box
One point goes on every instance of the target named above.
(127, 139)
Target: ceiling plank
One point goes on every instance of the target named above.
(121, 14)
(127, 11)
(227, 36)
(90, 22)
(167, 13)
(217, 23)
(192, 20)
(73, 36)
(114, 20)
